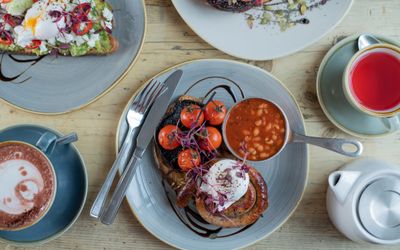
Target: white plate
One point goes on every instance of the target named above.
(285, 175)
(230, 33)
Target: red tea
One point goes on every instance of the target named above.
(375, 81)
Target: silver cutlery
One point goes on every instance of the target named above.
(142, 141)
(134, 118)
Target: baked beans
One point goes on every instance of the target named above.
(256, 128)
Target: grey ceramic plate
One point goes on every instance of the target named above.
(331, 96)
(230, 33)
(63, 84)
(286, 175)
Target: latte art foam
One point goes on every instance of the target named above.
(27, 185)
(20, 182)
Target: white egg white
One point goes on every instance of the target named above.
(38, 24)
(233, 187)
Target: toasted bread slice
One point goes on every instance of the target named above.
(92, 36)
(114, 47)
(167, 159)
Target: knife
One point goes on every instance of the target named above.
(143, 139)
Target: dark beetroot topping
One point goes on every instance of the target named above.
(231, 5)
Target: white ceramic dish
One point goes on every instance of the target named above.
(230, 33)
(363, 201)
(286, 180)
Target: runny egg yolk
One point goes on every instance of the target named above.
(31, 23)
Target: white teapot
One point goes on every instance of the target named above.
(363, 201)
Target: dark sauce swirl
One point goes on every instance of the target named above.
(12, 79)
(195, 223)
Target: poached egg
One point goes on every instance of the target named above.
(225, 177)
(38, 24)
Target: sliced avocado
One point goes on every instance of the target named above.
(100, 4)
(18, 7)
(79, 50)
(11, 47)
(103, 44)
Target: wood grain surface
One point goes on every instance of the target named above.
(170, 41)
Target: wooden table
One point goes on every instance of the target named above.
(170, 41)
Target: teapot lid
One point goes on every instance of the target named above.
(379, 208)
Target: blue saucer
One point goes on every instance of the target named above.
(332, 99)
(71, 193)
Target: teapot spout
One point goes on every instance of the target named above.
(341, 183)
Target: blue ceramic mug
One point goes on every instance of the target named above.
(28, 181)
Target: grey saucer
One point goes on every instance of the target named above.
(286, 176)
(72, 186)
(62, 84)
(330, 92)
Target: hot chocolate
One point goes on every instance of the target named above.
(27, 185)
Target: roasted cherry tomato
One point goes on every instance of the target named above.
(82, 28)
(82, 9)
(188, 158)
(5, 1)
(34, 44)
(210, 139)
(192, 116)
(215, 112)
(168, 137)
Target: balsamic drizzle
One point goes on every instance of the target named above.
(224, 86)
(11, 79)
(227, 88)
(34, 60)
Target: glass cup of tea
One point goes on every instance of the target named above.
(371, 83)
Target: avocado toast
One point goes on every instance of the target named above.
(65, 27)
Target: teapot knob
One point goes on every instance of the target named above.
(341, 183)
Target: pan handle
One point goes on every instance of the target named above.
(336, 145)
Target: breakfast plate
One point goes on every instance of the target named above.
(151, 200)
(331, 95)
(53, 85)
(263, 33)
(72, 185)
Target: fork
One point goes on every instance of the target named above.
(134, 119)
